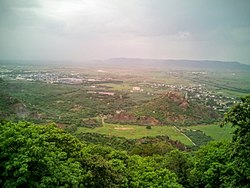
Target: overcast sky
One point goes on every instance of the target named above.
(98, 29)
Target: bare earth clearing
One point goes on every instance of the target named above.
(123, 128)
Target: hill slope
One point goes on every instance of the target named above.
(170, 108)
(182, 64)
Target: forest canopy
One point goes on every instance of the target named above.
(45, 156)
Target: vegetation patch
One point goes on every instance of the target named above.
(198, 137)
(136, 132)
(146, 146)
(173, 108)
(215, 131)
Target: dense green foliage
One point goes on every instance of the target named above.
(239, 117)
(174, 109)
(73, 104)
(64, 104)
(212, 166)
(221, 164)
(38, 156)
(198, 137)
(46, 156)
(91, 122)
(118, 143)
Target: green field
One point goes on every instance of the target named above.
(135, 132)
(215, 131)
(70, 104)
(118, 87)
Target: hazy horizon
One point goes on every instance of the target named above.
(82, 30)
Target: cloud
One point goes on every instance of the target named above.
(184, 35)
(83, 29)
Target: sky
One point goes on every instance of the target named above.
(79, 30)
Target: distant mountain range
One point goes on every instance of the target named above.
(179, 64)
(170, 64)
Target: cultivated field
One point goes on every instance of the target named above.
(135, 132)
(215, 131)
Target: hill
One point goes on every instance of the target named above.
(170, 108)
(139, 63)
(10, 107)
(183, 64)
(34, 155)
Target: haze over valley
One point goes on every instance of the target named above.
(133, 93)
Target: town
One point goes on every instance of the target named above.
(98, 84)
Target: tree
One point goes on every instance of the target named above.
(179, 163)
(38, 156)
(212, 166)
(151, 148)
(106, 166)
(239, 117)
(145, 172)
(226, 164)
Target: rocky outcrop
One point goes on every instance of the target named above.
(132, 119)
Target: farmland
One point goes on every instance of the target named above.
(128, 98)
(215, 131)
(124, 94)
(137, 132)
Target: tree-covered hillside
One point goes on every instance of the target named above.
(73, 104)
(173, 108)
(45, 156)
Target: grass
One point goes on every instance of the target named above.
(229, 93)
(118, 87)
(135, 132)
(215, 131)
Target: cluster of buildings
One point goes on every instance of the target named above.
(198, 92)
(52, 77)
